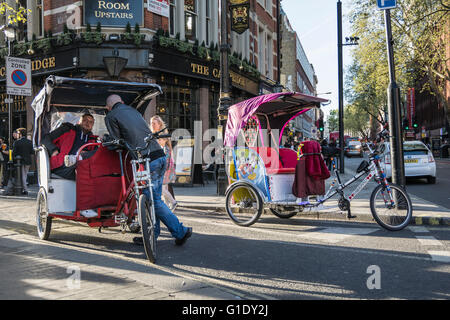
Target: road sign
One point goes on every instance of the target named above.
(18, 76)
(386, 4)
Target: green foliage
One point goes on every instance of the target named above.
(418, 29)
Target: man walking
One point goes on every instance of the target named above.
(125, 122)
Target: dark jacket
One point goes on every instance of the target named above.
(62, 139)
(125, 122)
(24, 148)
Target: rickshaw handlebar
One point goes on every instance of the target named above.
(121, 143)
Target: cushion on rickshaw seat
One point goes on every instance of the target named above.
(98, 180)
(282, 161)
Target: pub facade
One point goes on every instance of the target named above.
(174, 43)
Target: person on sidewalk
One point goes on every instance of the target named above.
(157, 124)
(4, 157)
(24, 148)
(125, 122)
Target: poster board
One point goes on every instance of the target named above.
(184, 161)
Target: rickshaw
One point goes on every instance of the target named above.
(111, 180)
(261, 172)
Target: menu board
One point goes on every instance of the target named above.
(184, 164)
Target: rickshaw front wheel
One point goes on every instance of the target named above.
(244, 205)
(147, 219)
(43, 221)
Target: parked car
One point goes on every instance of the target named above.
(354, 148)
(418, 159)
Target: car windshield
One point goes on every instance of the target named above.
(414, 149)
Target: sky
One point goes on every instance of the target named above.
(315, 22)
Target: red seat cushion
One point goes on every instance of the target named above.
(288, 157)
(96, 187)
(271, 158)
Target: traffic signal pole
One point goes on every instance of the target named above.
(395, 128)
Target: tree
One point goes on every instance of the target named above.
(420, 31)
(333, 120)
(12, 15)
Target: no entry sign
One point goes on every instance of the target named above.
(18, 76)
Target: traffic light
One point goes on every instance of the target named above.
(414, 123)
(320, 126)
(405, 123)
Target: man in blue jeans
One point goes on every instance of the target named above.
(125, 122)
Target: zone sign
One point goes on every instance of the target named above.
(18, 76)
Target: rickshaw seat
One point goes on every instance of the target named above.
(282, 161)
(98, 180)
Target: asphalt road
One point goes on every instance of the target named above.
(438, 193)
(273, 259)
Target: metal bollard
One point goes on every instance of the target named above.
(18, 187)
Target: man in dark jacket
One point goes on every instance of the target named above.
(125, 122)
(65, 141)
(22, 147)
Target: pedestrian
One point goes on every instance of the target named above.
(125, 122)
(4, 157)
(24, 148)
(157, 124)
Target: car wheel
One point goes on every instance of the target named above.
(431, 180)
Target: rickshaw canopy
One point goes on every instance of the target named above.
(67, 98)
(277, 110)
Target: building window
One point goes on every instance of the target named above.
(172, 17)
(22, 27)
(208, 23)
(177, 106)
(190, 19)
(269, 57)
(40, 18)
(261, 44)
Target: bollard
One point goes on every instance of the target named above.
(18, 187)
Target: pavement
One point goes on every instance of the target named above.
(205, 197)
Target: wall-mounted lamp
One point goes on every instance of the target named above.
(75, 61)
(114, 64)
(151, 57)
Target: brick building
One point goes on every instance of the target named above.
(297, 74)
(173, 43)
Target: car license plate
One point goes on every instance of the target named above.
(411, 161)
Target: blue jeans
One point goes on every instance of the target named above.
(162, 212)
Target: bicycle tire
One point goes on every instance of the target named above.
(147, 219)
(402, 200)
(43, 221)
(237, 212)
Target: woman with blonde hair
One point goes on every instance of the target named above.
(157, 124)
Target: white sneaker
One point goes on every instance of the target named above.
(89, 213)
(70, 160)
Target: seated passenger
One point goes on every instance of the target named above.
(63, 144)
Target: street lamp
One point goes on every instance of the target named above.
(350, 41)
(114, 64)
(10, 33)
(225, 98)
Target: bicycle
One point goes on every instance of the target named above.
(141, 180)
(392, 198)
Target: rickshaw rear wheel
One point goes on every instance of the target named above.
(43, 221)
(244, 205)
(283, 214)
(147, 219)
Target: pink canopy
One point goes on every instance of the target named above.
(279, 108)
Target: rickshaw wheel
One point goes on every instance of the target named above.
(283, 214)
(43, 221)
(244, 205)
(147, 218)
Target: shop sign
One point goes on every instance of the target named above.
(184, 161)
(161, 7)
(44, 65)
(113, 13)
(240, 15)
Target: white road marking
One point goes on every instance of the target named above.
(441, 256)
(418, 229)
(428, 241)
(336, 234)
